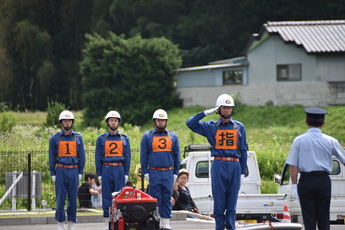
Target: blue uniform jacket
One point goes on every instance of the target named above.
(159, 159)
(99, 154)
(53, 151)
(208, 129)
(318, 148)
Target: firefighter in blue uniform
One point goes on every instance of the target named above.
(112, 158)
(311, 156)
(229, 149)
(160, 162)
(66, 164)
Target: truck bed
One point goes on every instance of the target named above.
(249, 206)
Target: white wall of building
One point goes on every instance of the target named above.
(272, 52)
(331, 67)
(281, 93)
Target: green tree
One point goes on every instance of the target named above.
(42, 43)
(5, 76)
(208, 30)
(25, 62)
(133, 76)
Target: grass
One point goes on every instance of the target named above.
(33, 118)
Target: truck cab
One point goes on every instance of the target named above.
(251, 204)
(337, 208)
(198, 165)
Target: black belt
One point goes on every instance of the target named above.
(313, 172)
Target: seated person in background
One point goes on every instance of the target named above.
(175, 193)
(96, 198)
(184, 200)
(129, 183)
(85, 191)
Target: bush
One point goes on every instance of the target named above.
(7, 121)
(54, 109)
(126, 75)
(4, 107)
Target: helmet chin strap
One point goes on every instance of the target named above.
(225, 116)
(113, 128)
(67, 128)
(161, 129)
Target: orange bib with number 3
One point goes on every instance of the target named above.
(226, 139)
(67, 149)
(161, 144)
(113, 149)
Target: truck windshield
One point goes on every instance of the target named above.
(201, 170)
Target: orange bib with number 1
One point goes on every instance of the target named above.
(113, 149)
(67, 149)
(226, 139)
(161, 144)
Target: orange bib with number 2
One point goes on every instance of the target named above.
(113, 149)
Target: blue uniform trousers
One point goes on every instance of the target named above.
(314, 191)
(160, 187)
(113, 180)
(226, 176)
(67, 183)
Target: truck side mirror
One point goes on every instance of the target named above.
(277, 178)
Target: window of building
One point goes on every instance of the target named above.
(232, 77)
(291, 72)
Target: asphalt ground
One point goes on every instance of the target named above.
(188, 224)
(96, 222)
(175, 225)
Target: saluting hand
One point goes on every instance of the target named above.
(211, 111)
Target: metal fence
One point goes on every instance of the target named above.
(25, 182)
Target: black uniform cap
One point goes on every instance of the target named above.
(316, 113)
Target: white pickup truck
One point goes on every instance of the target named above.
(337, 209)
(252, 206)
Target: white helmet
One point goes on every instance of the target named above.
(225, 100)
(112, 114)
(66, 115)
(160, 114)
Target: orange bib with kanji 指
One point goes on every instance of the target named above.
(161, 144)
(67, 149)
(113, 149)
(226, 139)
